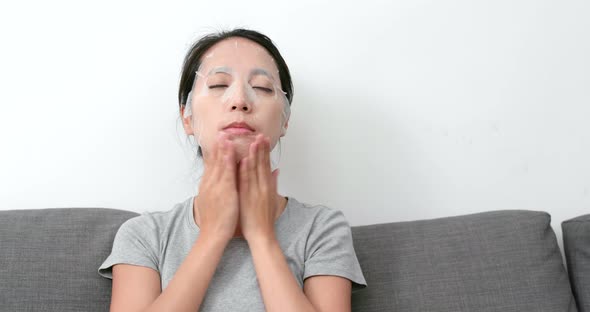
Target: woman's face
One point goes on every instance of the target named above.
(237, 81)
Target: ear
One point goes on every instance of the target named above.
(186, 122)
(284, 129)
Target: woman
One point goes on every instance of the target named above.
(238, 245)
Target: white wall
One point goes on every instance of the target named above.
(403, 110)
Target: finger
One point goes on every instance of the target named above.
(267, 155)
(252, 162)
(217, 163)
(229, 167)
(260, 148)
(245, 172)
(243, 179)
(211, 155)
(263, 167)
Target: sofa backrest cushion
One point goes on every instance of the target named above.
(502, 260)
(506, 260)
(576, 244)
(49, 258)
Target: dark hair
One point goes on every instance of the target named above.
(192, 61)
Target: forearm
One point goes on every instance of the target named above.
(279, 288)
(188, 287)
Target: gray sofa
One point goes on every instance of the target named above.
(504, 260)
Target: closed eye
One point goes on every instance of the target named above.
(217, 86)
(267, 90)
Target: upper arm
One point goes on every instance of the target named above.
(328, 292)
(330, 253)
(134, 287)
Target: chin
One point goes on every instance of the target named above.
(242, 150)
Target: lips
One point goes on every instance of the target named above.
(240, 125)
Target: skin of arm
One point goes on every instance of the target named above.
(190, 282)
(138, 289)
(279, 288)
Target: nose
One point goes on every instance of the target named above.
(239, 100)
(241, 106)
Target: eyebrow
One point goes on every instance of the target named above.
(260, 71)
(253, 72)
(220, 69)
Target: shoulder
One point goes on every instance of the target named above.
(319, 215)
(316, 210)
(329, 247)
(154, 223)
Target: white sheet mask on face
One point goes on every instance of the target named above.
(221, 84)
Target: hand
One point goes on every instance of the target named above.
(218, 201)
(257, 191)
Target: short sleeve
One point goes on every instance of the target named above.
(135, 243)
(330, 249)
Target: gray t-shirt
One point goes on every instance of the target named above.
(315, 239)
